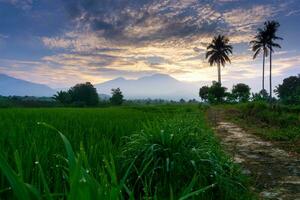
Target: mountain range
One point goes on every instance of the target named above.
(155, 86)
(10, 86)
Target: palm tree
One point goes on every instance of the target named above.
(62, 97)
(271, 28)
(218, 53)
(259, 44)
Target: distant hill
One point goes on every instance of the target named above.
(104, 97)
(156, 86)
(10, 86)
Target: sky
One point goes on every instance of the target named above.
(64, 42)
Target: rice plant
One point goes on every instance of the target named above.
(162, 152)
(179, 159)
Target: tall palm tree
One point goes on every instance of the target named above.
(271, 27)
(218, 53)
(259, 44)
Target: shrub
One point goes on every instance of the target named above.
(276, 117)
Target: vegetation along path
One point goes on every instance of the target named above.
(275, 172)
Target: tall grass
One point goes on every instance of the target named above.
(283, 123)
(114, 153)
(179, 158)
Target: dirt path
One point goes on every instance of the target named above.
(275, 172)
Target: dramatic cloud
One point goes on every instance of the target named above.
(23, 4)
(104, 39)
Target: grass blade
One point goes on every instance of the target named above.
(17, 185)
(69, 149)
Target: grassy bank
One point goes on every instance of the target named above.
(145, 152)
(278, 123)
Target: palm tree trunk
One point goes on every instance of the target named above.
(263, 72)
(270, 74)
(219, 73)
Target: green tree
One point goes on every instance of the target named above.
(63, 97)
(271, 28)
(289, 90)
(203, 93)
(117, 97)
(241, 92)
(218, 53)
(84, 93)
(259, 44)
(216, 93)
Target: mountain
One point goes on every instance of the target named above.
(104, 97)
(156, 86)
(10, 86)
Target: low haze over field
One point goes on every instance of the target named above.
(60, 43)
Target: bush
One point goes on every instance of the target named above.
(274, 116)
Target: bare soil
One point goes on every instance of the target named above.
(276, 172)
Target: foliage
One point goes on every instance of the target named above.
(85, 94)
(259, 44)
(284, 122)
(181, 101)
(216, 93)
(165, 152)
(99, 147)
(63, 97)
(203, 93)
(271, 28)
(213, 94)
(230, 98)
(261, 96)
(27, 101)
(218, 52)
(241, 92)
(117, 97)
(289, 90)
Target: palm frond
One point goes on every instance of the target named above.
(256, 53)
(218, 50)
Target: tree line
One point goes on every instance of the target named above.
(288, 92)
(85, 94)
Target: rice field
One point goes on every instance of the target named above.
(143, 152)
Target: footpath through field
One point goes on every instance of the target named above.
(276, 173)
